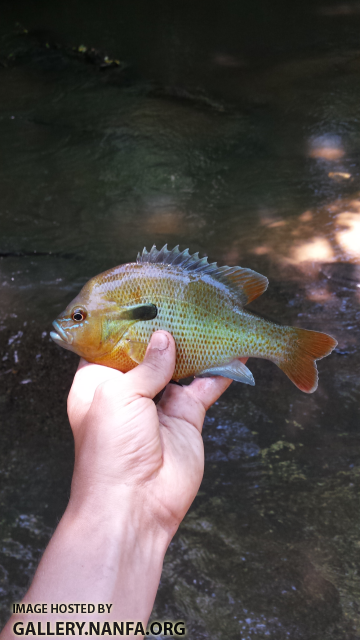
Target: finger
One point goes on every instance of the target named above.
(156, 370)
(208, 390)
(190, 403)
(177, 403)
(87, 378)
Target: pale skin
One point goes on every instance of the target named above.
(138, 467)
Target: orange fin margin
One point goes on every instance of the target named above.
(251, 283)
(300, 363)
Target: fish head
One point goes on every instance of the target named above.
(93, 324)
(89, 325)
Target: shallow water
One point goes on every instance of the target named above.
(94, 166)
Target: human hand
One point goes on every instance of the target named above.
(124, 442)
(137, 469)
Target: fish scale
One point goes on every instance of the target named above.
(200, 304)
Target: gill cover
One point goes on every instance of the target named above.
(117, 323)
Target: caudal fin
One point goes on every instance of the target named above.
(305, 348)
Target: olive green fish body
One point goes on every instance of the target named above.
(208, 325)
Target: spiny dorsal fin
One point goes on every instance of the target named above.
(247, 284)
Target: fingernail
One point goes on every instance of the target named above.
(159, 341)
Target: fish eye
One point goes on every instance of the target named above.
(79, 315)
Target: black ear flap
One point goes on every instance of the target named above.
(139, 312)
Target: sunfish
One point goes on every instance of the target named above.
(202, 305)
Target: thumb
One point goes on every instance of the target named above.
(156, 370)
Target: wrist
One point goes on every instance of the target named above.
(122, 510)
(103, 551)
(135, 504)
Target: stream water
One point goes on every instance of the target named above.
(260, 167)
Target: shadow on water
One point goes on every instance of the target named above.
(95, 166)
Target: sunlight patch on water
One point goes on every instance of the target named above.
(319, 294)
(316, 250)
(262, 250)
(349, 237)
(338, 176)
(320, 235)
(326, 147)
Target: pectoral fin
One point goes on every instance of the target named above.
(234, 370)
(138, 312)
(135, 350)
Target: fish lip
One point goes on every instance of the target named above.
(60, 335)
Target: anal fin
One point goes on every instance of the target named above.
(234, 370)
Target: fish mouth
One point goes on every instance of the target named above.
(60, 336)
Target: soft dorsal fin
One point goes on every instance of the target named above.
(247, 284)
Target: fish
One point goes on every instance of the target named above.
(111, 320)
